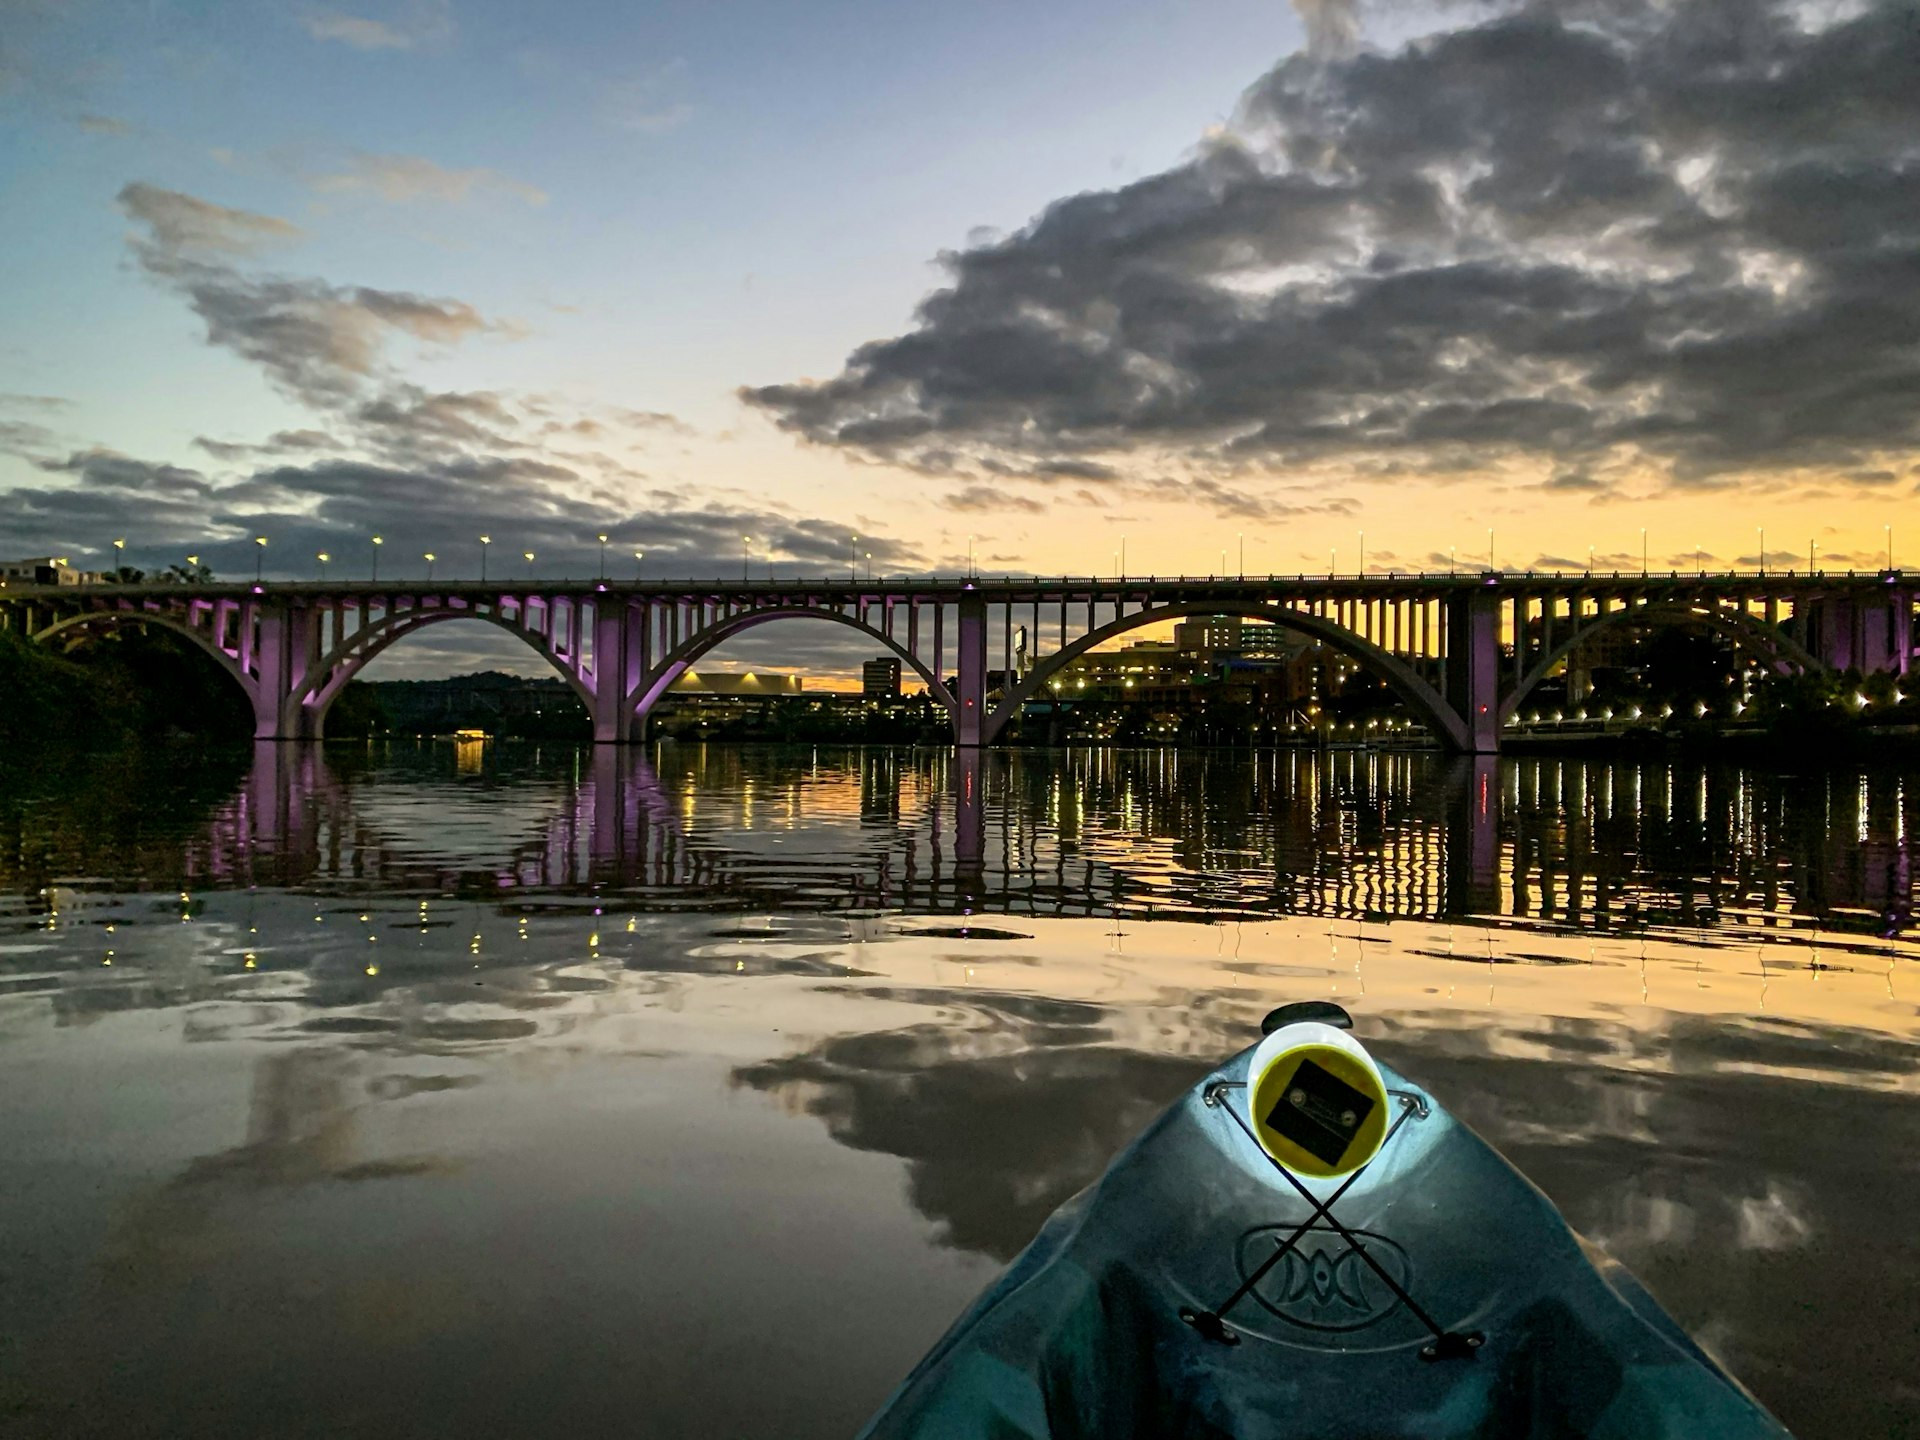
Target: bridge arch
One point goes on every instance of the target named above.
(359, 650)
(88, 619)
(1420, 697)
(678, 661)
(1747, 634)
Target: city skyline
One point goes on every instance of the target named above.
(1490, 284)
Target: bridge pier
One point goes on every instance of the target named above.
(285, 644)
(970, 703)
(1473, 667)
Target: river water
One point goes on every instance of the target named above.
(486, 1089)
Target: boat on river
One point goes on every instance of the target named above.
(1219, 1280)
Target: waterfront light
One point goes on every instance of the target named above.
(377, 543)
(429, 559)
(485, 541)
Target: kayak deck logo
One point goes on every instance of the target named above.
(1323, 1283)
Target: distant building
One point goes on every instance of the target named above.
(750, 686)
(880, 679)
(45, 570)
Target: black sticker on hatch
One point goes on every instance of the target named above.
(1320, 1112)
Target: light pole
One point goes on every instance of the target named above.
(1241, 536)
(638, 556)
(1589, 562)
(1123, 557)
(1643, 552)
(970, 566)
(1490, 564)
(746, 554)
(377, 543)
(1333, 561)
(1699, 557)
(527, 555)
(259, 556)
(603, 557)
(1450, 558)
(1889, 530)
(323, 557)
(1813, 556)
(429, 567)
(485, 541)
(869, 564)
(193, 562)
(119, 554)
(853, 556)
(1763, 551)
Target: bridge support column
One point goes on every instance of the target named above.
(612, 723)
(1473, 667)
(970, 703)
(284, 644)
(1853, 635)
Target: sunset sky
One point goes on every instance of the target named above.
(1175, 270)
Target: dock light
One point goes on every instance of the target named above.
(1317, 1101)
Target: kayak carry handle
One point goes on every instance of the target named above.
(1320, 1012)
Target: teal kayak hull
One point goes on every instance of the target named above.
(1083, 1335)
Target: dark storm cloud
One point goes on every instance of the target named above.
(1573, 234)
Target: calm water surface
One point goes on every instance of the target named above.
(443, 1091)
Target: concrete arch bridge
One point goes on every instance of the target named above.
(1463, 652)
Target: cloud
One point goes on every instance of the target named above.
(984, 499)
(317, 342)
(179, 223)
(105, 125)
(404, 179)
(413, 26)
(1333, 26)
(1616, 240)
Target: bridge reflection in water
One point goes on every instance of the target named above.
(1386, 835)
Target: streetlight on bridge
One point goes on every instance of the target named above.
(1763, 551)
(638, 556)
(322, 557)
(119, 554)
(429, 567)
(259, 556)
(853, 555)
(485, 541)
(746, 555)
(603, 557)
(1643, 552)
(377, 543)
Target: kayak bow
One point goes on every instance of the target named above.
(1202, 1288)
